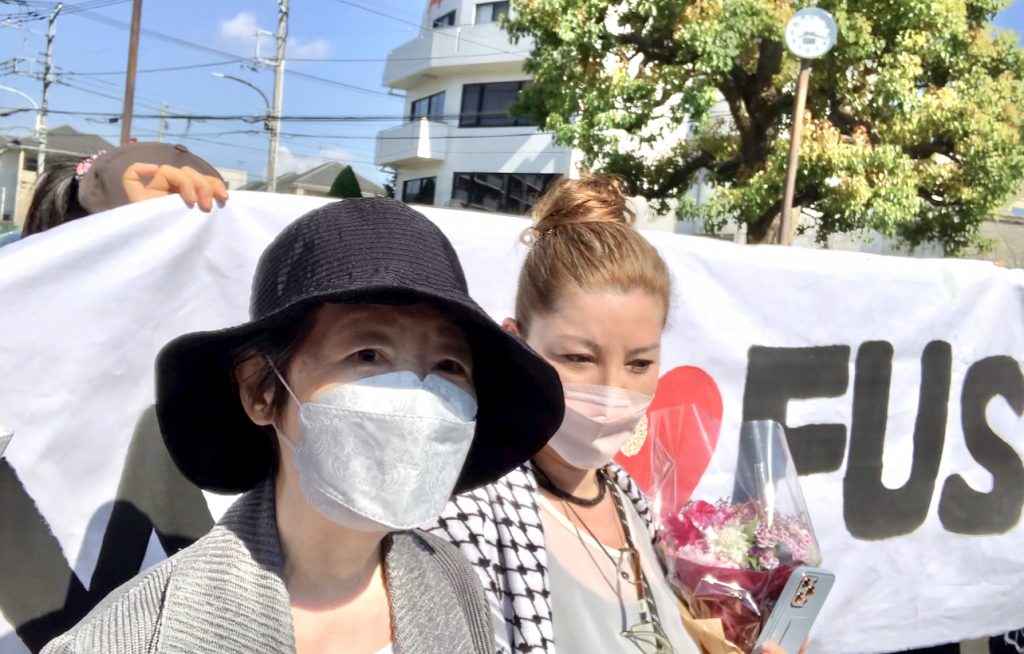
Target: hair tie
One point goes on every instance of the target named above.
(85, 164)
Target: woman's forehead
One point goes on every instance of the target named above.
(386, 320)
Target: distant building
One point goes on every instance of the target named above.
(458, 146)
(316, 181)
(233, 177)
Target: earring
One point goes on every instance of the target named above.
(633, 446)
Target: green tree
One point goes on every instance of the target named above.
(915, 118)
(345, 185)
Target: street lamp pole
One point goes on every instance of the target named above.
(809, 34)
(267, 125)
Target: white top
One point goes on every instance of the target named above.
(591, 604)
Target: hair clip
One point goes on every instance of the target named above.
(85, 164)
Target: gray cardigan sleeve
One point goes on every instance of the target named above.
(463, 579)
(126, 622)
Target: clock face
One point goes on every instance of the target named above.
(811, 33)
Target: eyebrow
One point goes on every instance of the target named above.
(597, 348)
(585, 341)
(367, 334)
(641, 350)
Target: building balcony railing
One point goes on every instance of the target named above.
(422, 140)
(453, 49)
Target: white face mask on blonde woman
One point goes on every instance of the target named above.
(605, 346)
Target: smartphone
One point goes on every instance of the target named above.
(801, 600)
(5, 437)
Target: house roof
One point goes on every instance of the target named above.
(65, 140)
(317, 179)
(322, 177)
(261, 184)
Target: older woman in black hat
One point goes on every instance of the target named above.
(365, 390)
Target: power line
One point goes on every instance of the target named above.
(256, 119)
(233, 58)
(243, 117)
(97, 73)
(42, 14)
(260, 150)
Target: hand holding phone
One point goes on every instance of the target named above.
(801, 600)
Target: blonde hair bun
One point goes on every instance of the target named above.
(590, 199)
(584, 240)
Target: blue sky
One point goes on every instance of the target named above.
(321, 29)
(357, 34)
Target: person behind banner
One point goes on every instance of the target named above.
(563, 544)
(71, 189)
(366, 389)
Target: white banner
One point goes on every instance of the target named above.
(899, 381)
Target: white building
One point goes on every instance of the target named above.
(458, 146)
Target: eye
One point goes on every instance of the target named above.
(452, 367)
(368, 355)
(640, 366)
(578, 359)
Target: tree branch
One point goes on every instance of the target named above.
(757, 230)
(939, 145)
(682, 175)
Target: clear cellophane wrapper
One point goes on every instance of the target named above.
(730, 545)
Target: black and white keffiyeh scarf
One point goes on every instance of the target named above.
(499, 529)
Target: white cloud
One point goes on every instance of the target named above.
(240, 32)
(242, 27)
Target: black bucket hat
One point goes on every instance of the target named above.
(358, 250)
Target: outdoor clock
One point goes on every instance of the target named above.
(810, 33)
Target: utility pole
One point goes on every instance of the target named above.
(275, 119)
(163, 123)
(51, 32)
(133, 64)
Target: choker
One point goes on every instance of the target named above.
(545, 482)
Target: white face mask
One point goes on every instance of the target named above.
(598, 421)
(385, 452)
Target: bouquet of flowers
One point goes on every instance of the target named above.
(729, 555)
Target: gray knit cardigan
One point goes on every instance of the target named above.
(225, 594)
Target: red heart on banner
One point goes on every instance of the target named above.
(684, 419)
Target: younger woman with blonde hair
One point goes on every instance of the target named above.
(563, 544)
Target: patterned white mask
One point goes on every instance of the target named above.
(598, 421)
(385, 452)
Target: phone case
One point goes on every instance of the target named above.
(801, 600)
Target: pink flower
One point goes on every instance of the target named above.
(684, 531)
(701, 513)
(768, 560)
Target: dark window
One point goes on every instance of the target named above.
(445, 21)
(419, 191)
(487, 105)
(490, 12)
(514, 193)
(431, 108)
